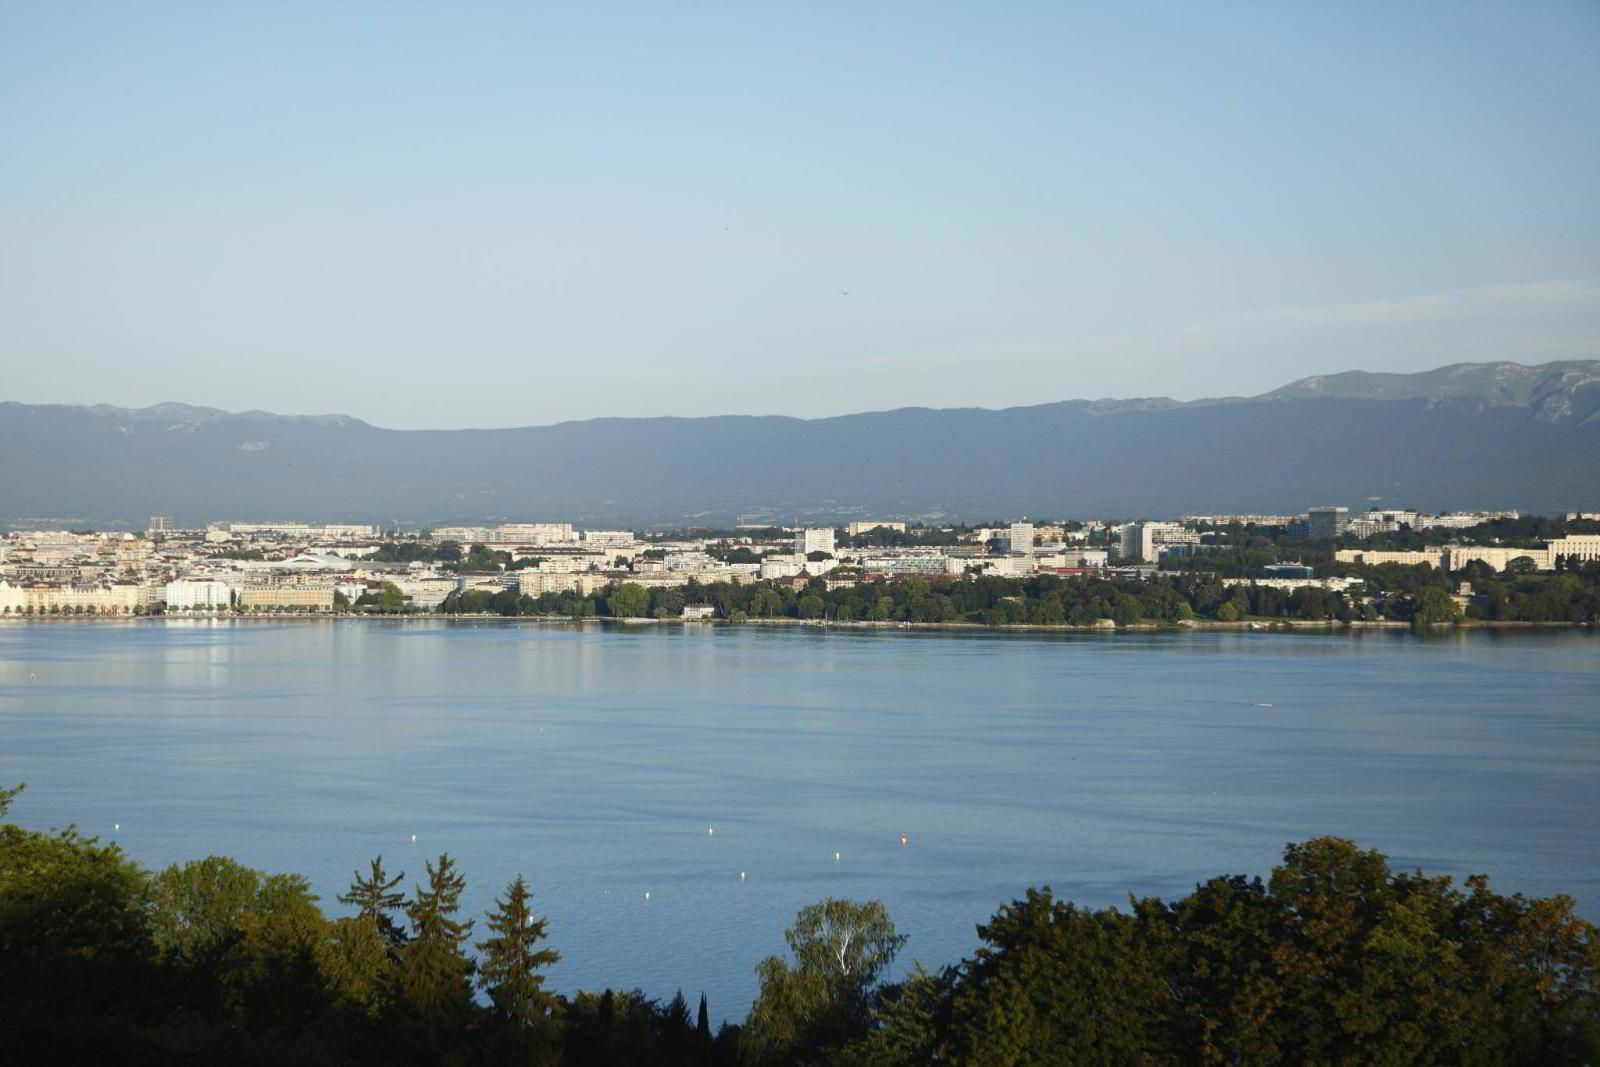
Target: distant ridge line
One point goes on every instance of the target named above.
(1497, 382)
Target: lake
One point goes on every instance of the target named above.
(595, 760)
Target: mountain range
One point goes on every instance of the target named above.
(1471, 435)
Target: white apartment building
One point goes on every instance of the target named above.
(327, 531)
(537, 583)
(1376, 522)
(607, 537)
(573, 562)
(533, 533)
(999, 566)
(1019, 538)
(856, 529)
(1074, 556)
(813, 539)
(1432, 557)
(462, 534)
(198, 594)
(1460, 520)
(1238, 520)
(781, 567)
(116, 599)
(1498, 557)
(1333, 585)
(426, 593)
(1582, 547)
(910, 564)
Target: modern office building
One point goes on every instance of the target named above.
(1144, 540)
(1327, 523)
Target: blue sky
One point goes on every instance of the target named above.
(438, 215)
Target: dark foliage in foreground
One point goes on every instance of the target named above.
(1333, 959)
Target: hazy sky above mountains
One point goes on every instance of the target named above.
(433, 215)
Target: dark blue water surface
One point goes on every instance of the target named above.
(593, 760)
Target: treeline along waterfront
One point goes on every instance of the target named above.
(1391, 592)
(1334, 958)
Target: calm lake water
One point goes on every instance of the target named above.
(594, 760)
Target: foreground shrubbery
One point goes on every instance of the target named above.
(1333, 959)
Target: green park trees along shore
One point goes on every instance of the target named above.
(1391, 592)
(1333, 959)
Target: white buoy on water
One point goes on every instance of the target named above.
(116, 826)
(710, 830)
(836, 857)
(741, 876)
(647, 895)
(413, 839)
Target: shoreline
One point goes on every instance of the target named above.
(1264, 625)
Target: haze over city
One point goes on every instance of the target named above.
(511, 214)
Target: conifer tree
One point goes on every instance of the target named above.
(703, 1025)
(435, 974)
(677, 1035)
(374, 899)
(509, 974)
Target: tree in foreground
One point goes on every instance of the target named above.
(702, 1028)
(435, 974)
(824, 999)
(509, 972)
(1334, 959)
(1055, 983)
(68, 906)
(377, 901)
(198, 906)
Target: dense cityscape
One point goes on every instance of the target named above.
(212, 960)
(1327, 564)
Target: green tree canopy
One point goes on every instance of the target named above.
(197, 906)
(376, 900)
(628, 601)
(435, 973)
(509, 972)
(840, 949)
